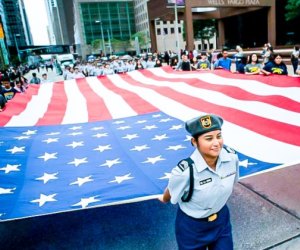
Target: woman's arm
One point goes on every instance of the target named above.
(166, 197)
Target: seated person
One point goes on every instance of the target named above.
(253, 67)
(240, 65)
(203, 63)
(224, 62)
(184, 64)
(7, 90)
(276, 66)
(2, 100)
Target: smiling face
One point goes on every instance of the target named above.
(209, 144)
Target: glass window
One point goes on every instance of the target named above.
(158, 31)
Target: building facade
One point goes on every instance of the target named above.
(104, 21)
(61, 22)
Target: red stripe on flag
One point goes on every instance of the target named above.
(234, 92)
(255, 123)
(18, 104)
(138, 104)
(57, 106)
(273, 80)
(97, 110)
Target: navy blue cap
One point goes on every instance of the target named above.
(203, 124)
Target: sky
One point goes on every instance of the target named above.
(37, 17)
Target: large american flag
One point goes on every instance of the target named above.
(100, 141)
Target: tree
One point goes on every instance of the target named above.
(293, 9)
(204, 30)
(142, 38)
(96, 45)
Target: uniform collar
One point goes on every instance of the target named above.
(200, 163)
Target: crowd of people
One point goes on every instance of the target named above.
(267, 62)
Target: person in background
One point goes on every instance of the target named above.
(203, 219)
(157, 63)
(203, 63)
(184, 64)
(240, 66)
(20, 87)
(253, 67)
(298, 70)
(45, 78)
(7, 90)
(2, 99)
(295, 58)
(275, 66)
(224, 62)
(35, 79)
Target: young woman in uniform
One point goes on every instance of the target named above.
(203, 220)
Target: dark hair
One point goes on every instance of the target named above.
(250, 58)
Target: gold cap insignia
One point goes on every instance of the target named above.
(205, 121)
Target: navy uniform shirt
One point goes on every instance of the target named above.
(211, 188)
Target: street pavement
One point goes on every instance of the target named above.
(265, 214)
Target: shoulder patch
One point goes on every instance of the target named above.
(183, 165)
(230, 150)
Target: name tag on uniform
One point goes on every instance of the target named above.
(202, 182)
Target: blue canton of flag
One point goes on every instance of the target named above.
(50, 169)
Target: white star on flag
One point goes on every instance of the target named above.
(75, 133)
(77, 162)
(53, 133)
(246, 163)
(16, 150)
(160, 137)
(86, 201)
(75, 144)
(167, 176)
(97, 128)
(50, 140)
(110, 163)
(48, 156)
(80, 181)
(176, 127)
(10, 168)
(7, 190)
(140, 148)
(123, 127)
(188, 138)
(141, 121)
(166, 120)
(47, 177)
(131, 136)
(118, 122)
(175, 147)
(99, 135)
(153, 160)
(157, 115)
(76, 127)
(149, 127)
(120, 179)
(30, 132)
(102, 148)
(44, 198)
(22, 137)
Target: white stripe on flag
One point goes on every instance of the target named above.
(76, 111)
(253, 107)
(252, 86)
(253, 144)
